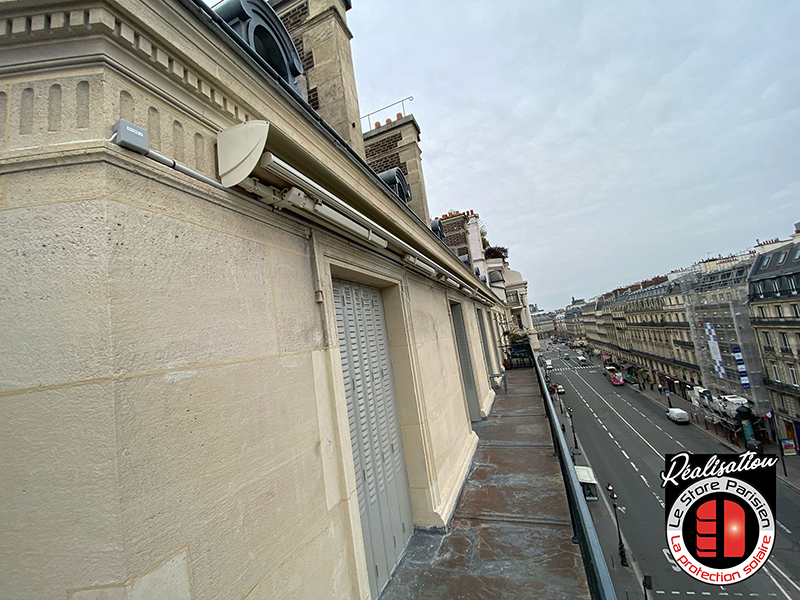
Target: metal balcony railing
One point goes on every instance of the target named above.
(783, 387)
(594, 562)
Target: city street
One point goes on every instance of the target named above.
(623, 435)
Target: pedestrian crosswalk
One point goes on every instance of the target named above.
(576, 367)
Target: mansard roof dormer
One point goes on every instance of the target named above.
(257, 24)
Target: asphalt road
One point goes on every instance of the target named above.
(624, 436)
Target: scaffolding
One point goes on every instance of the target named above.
(725, 343)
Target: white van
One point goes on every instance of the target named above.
(582, 360)
(588, 482)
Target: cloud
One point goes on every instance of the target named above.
(601, 142)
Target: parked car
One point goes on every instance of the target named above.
(678, 415)
(560, 389)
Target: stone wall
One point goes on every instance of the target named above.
(173, 411)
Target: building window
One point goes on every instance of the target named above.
(797, 255)
(775, 287)
(782, 258)
(775, 374)
(760, 290)
(765, 262)
(796, 310)
(792, 374)
(761, 312)
(779, 310)
(767, 339)
(784, 340)
(792, 285)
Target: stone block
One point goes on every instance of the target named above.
(300, 321)
(59, 497)
(54, 304)
(182, 294)
(225, 459)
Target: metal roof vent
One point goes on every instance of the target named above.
(396, 181)
(257, 24)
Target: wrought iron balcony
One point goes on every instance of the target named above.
(782, 387)
(776, 321)
(683, 343)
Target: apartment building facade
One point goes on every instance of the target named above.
(774, 303)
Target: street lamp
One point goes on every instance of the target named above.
(572, 424)
(623, 559)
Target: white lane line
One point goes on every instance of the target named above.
(690, 593)
(777, 585)
(779, 570)
(625, 454)
(657, 427)
(676, 592)
(782, 526)
(679, 444)
(621, 417)
(659, 591)
(604, 427)
(635, 467)
(610, 435)
(617, 443)
(645, 480)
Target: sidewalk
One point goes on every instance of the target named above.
(511, 535)
(792, 462)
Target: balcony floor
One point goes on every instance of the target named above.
(511, 535)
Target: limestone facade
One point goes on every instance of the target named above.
(173, 412)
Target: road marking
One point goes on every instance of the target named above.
(657, 427)
(621, 417)
(779, 570)
(676, 592)
(777, 585)
(645, 480)
(679, 444)
(635, 467)
(659, 591)
(610, 435)
(782, 526)
(690, 593)
(617, 443)
(625, 454)
(671, 560)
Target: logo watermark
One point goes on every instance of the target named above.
(720, 517)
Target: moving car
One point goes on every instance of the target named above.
(548, 364)
(678, 415)
(566, 356)
(582, 360)
(560, 389)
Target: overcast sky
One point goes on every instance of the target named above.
(601, 142)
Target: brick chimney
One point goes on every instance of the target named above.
(320, 34)
(396, 144)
